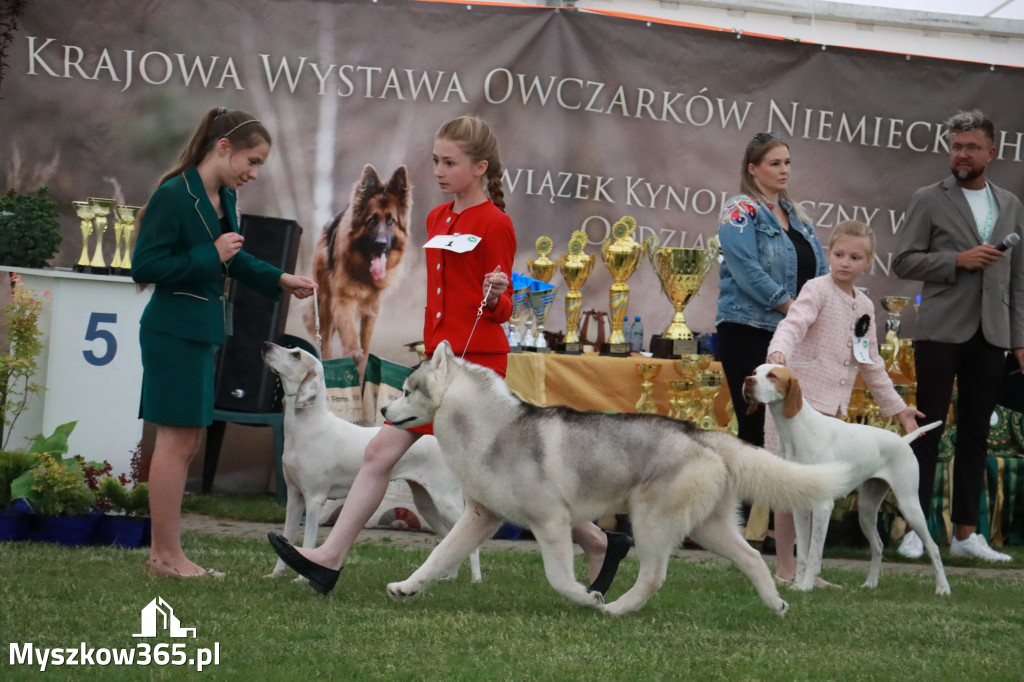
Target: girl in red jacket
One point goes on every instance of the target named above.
(466, 165)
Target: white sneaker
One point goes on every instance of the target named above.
(976, 547)
(912, 547)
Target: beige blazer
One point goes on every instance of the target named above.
(954, 303)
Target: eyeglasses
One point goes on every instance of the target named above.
(970, 149)
(764, 137)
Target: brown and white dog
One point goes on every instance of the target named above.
(878, 459)
(357, 258)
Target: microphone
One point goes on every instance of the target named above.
(1011, 240)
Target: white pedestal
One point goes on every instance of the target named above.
(91, 364)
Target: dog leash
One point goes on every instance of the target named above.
(316, 322)
(479, 314)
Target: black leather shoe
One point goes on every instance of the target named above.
(321, 578)
(618, 548)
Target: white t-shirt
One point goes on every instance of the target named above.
(985, 210)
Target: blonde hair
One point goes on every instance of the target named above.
(756, 150)
(476, 141)
(853, 228)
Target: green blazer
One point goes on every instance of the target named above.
(175, 252)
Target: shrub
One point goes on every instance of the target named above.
(19, 363)
(29, 229)
(60, 488)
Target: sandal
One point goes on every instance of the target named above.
(156, 570)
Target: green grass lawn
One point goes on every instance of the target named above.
(707, 623)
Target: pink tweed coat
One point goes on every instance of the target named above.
(817, 339)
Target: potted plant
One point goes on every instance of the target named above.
(125, 499)
(13, 521)
(19, 360)
(62, 501)
(29, 228)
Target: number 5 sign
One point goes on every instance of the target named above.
(105, 336)
(91, 364)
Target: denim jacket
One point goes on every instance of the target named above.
(758, 271)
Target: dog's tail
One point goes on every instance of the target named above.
(910, 437)
(759, 476)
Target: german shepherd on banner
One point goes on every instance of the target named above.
(357, 258)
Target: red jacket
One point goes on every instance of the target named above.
(455, 280)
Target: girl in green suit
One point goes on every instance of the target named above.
(190, 249)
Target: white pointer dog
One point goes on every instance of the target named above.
(877, 459)
(550, 468)
(323, 453)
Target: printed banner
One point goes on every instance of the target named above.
(598, 117)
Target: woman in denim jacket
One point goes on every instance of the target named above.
(769, 250)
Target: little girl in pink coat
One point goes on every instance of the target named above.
(827, 337)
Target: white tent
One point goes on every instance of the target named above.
(985, 31)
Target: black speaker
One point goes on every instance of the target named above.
(244, 382)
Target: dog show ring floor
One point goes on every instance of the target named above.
(208, 525)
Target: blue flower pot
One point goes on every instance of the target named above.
(122, 531)
(70, 531)
(13, 525)
(507, 531)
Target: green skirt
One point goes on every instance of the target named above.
(177, 380)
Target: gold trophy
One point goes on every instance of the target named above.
(894, 305)
(681, 272)
(575, 267)
(542, 268)
(621, 259)
(709, 383)
(647, 372)
(123, 229)
(685, 392)
(101, 208)
(85, 216)
(680, 400)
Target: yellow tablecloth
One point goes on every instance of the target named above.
(590, 381)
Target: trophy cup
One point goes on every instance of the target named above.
(575, 267)
(540, 297)
(101, 208)
(542, 268)
(123, 229)
(84, 213)
(681, 272)
(894, 305)
(680, 401)
(621, 259)
(709, 383)
(908, 369)
(520, 287)
(647, 372)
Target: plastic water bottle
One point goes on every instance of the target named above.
(636, 335)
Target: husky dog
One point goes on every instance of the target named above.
(549, 468)
(323, 453)
(357, 258)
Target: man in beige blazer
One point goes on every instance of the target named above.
(972, 311)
